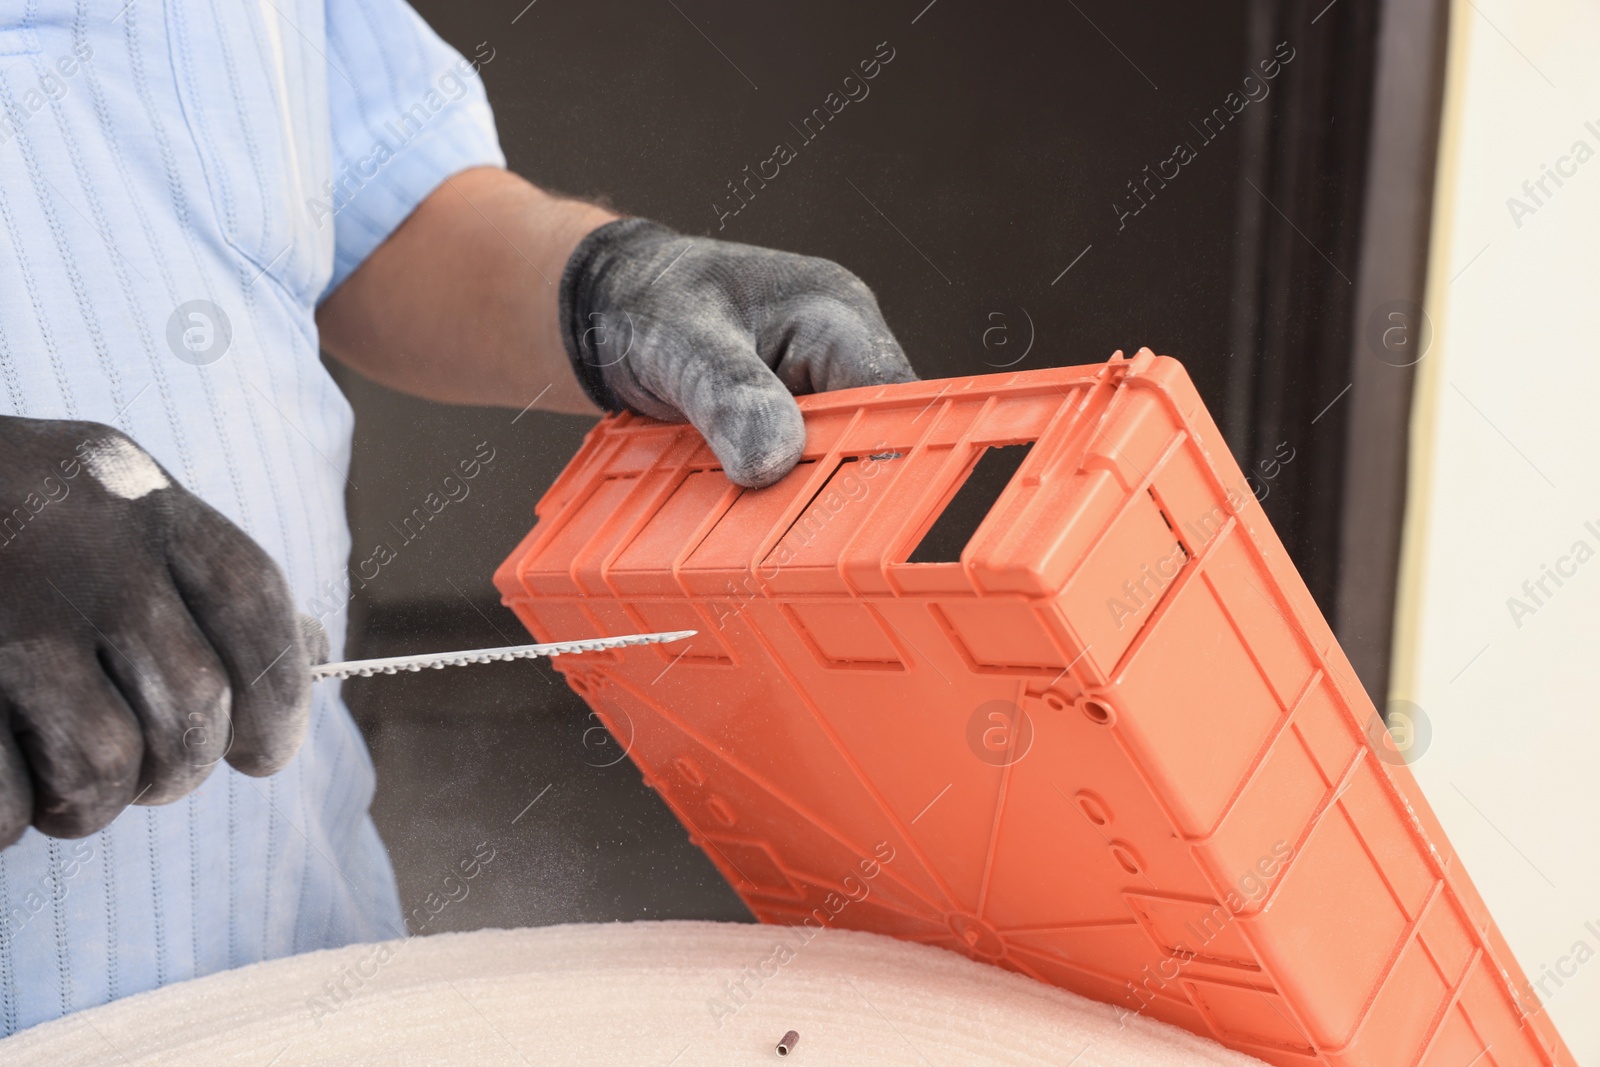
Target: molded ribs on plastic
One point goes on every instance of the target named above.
(1105, 739)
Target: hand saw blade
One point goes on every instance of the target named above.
(366, 668)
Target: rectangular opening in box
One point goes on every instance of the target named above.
(961, 517)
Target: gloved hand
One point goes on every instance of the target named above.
(719, 334)
(143, 637)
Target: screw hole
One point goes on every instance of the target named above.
(1098, 711)
(1125, 857)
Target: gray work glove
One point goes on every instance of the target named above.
(720, 334)
(143, 637)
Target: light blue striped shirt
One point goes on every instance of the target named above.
(181, 181)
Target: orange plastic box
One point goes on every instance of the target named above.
(1106, 740)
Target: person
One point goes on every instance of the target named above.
(192, 197)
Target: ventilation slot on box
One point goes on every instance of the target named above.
(961, 517)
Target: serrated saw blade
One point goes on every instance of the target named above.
(366, 668)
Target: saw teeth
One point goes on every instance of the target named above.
(367, 668)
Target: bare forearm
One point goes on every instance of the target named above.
(459, 304)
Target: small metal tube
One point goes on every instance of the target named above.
(787, 1043)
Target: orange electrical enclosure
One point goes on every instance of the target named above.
(1015, 665)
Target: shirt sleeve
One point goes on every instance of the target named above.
(406, 112)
